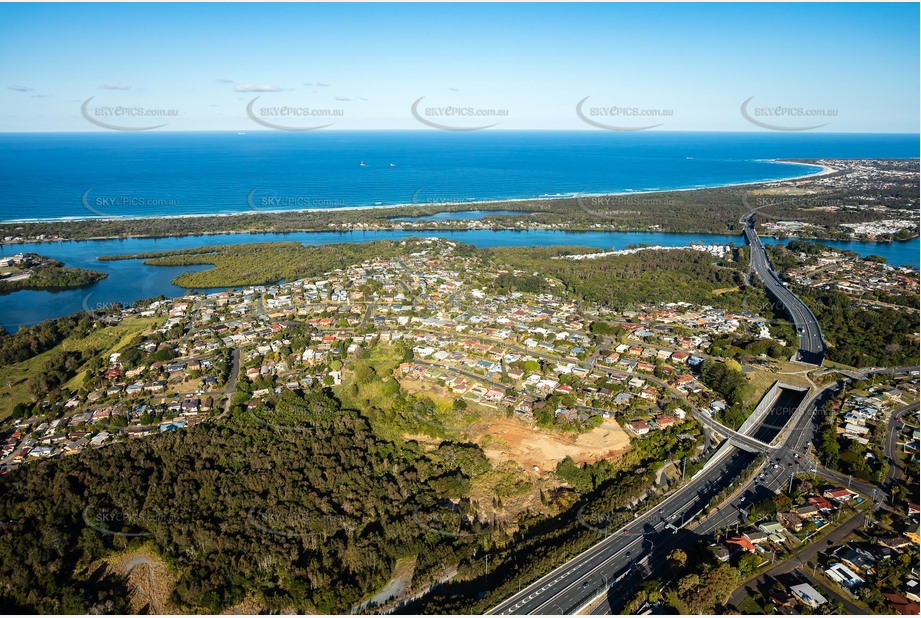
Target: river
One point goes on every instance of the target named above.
(131, 280)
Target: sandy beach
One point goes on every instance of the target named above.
(474, 205)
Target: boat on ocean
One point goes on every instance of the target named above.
(362, 164)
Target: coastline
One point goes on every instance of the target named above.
(824, 170)
(392, 218)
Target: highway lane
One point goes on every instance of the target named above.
(568, 587)
(776, 419)
(662, 543)
(649, 538)
(811, 343)
(613, 565)
(588, 575)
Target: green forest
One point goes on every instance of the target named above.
(50, 274)
(300, 506)
(627, 281)
(296, 503)
(263, 263)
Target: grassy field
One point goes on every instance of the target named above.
(14, 379)
(748, 606)
(374, 394)
(761, 379)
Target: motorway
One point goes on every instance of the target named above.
(637, 550)
(811, 344)
(622, 553)
(603, 578)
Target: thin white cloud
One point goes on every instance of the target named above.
(322, 85)
(257, 88)
(116, 86)
(343, 99)
(224, 81)
(19, 88)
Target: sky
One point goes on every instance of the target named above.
(848, 67)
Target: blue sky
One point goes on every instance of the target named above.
(679, 66)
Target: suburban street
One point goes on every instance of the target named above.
(794, 564)
(895, 424)
(603, 577)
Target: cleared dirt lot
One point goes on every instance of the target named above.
(506, 440)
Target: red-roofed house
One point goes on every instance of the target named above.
(902, 605)
(821, 503)
(742, 542)
(839, 495)
(640, 428)
(493, 394)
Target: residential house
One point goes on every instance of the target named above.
(791, 521)
(901, 604)
(640, 428)
(807, 595)
(756, 537)
(858, 561)
(822, 504)
(841, 574)
(807, 511)
(839, 495)
(742, 542)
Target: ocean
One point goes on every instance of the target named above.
(49, 176)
